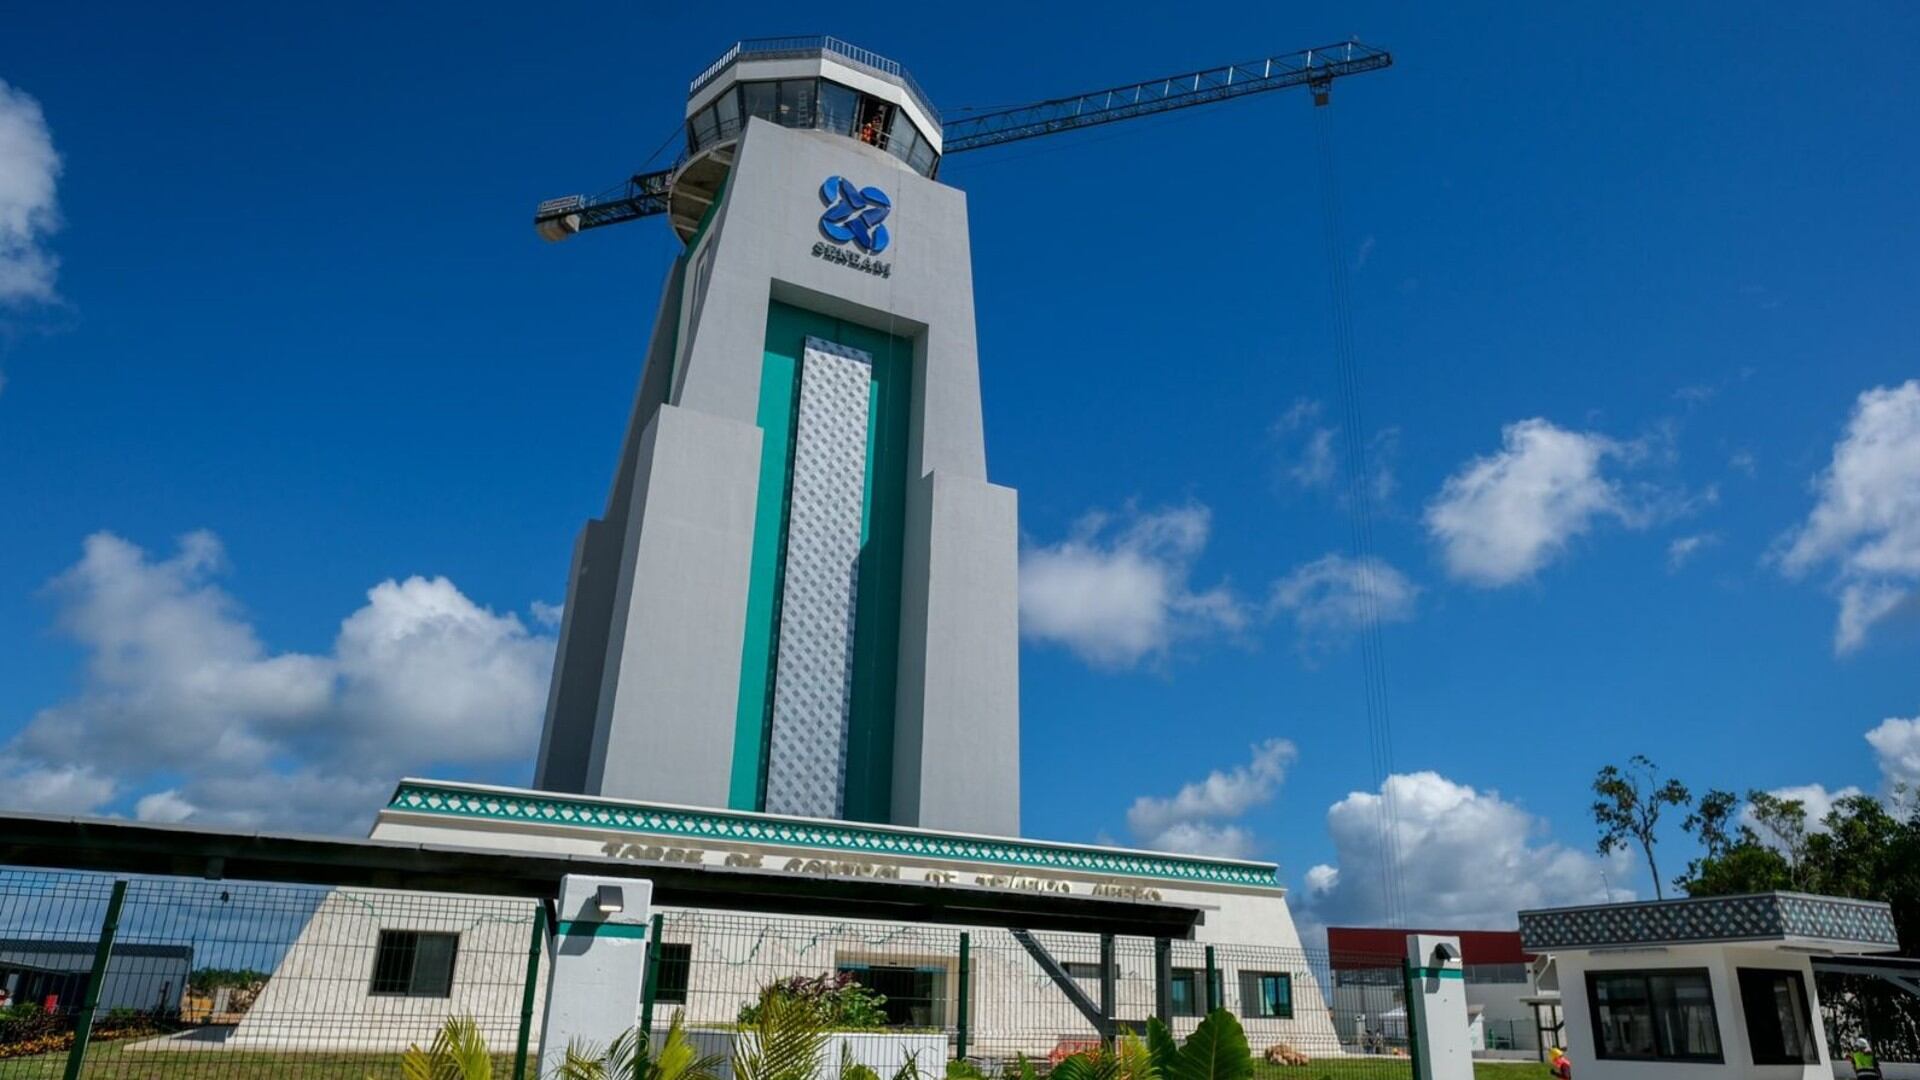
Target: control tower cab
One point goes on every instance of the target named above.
(819, 83)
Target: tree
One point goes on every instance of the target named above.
(1628, 808)
(1784, 821)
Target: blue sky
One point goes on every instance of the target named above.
(1633, 301)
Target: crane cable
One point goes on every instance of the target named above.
(1359, 498)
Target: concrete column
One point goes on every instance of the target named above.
(600, 957)
(1437, 1007)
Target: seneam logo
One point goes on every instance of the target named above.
(855, 214)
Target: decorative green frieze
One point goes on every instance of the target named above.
(540, 808)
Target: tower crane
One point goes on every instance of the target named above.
(694, 177)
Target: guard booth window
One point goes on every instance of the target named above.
(1663, 1015)
(413, 963)
(1779, 1021)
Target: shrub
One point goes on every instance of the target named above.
(838, 1002)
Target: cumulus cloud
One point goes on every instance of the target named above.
(1116, 590)
(1200, 818)
(29, 170)
(1334, 596)
(1865, 524)
(1896, 744)
(1814, 798)
(1462, 858)
(185, 711)
(1499, 519)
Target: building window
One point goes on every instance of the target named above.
(1779, 1020)
(1266, 995)
(916, 996)
(1496, 973)
(675, 972)
(413, 963)
(1186, 999)
(1663, 1015)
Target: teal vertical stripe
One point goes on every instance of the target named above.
(869, 786)
(779, 387)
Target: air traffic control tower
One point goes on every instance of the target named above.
(801, 598)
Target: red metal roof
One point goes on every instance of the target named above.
(1354, 947)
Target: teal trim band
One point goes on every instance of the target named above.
(581, 928)
(720, 826)
(1438, 973)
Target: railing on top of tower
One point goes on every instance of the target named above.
(773, 47)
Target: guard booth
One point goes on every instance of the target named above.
(1709, 987)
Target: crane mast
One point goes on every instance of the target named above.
(647, 194)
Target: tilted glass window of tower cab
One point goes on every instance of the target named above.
(821, 103)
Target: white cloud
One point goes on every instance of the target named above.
(1463, 859)
(1896, 745)
(1866, 522)
(1198, 819)
(29, 169)
(1682, 549)
(1815, 798)
(1499, 519)
(38, 788)
(1116, 591)
(166, 807)
(1333, 596)
(179, 688)
(1309, 460)
(546, 614)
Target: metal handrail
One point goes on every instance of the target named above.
(817, 43)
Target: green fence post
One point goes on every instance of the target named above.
(1163, 980)
(1407, 976)
(960, 1006)
(1109, 998)
(651, 984)
(533, 982)
(83, 1023)
(1213, 993)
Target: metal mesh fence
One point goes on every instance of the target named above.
(225, 979)
(215, 980)
(934, 993)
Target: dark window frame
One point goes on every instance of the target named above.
(673, 977)
(1251, 997)
(1660, 1035)
(1809, 1053)
(396, 965)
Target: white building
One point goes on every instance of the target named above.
(1702, 988)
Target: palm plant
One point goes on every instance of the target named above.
(785, 1041)
(630, 1057)
(459, 1052)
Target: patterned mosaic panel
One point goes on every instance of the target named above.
(1761, 917)
(541, 808)
(813, 668)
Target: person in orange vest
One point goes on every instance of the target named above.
(1559, 1064)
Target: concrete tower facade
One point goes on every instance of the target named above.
(802, 596)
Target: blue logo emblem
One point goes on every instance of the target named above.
(855, 214)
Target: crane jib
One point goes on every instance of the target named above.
(649, 194)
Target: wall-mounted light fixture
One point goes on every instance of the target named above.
(610, 899)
